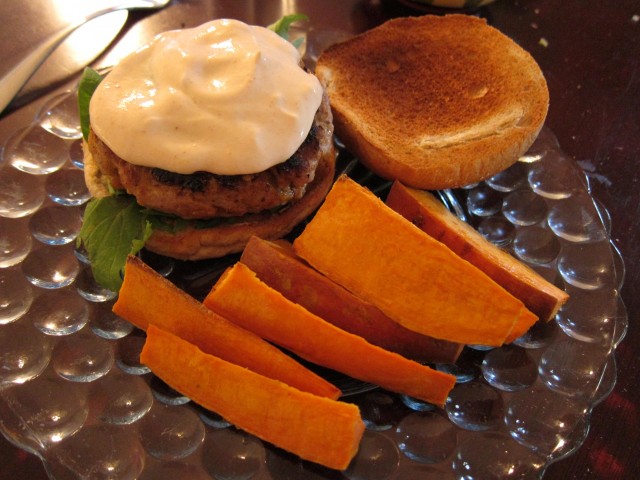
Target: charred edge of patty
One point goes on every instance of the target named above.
(205, 195)
(199, 181)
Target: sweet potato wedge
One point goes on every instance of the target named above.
(242, 298)
(315, 428)
(427, 213)
(147, 298)
(277, 265)
(362, 244)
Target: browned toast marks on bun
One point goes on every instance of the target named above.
(434, 101)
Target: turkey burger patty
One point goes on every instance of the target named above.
(203, 195)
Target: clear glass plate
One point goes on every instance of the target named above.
(72, 389)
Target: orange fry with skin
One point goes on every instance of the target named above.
(277, 265)
(146, 298)
(242, 298)
(427, 213)
(362, 244)
(315, 428)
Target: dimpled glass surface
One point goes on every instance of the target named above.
(73, 391)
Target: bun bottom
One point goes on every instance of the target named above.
(201, 243)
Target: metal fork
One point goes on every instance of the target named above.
(12, 82)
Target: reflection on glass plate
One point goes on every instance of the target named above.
(70, 374)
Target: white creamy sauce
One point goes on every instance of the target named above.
(225, 97)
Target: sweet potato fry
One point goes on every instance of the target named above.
(315, 428)
(359, 242)
(277, 265)
(242, 298)
(427, 213)
(524, 322)
(147, 298)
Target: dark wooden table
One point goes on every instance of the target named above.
(590, 54)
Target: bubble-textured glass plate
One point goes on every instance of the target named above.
(72, 389)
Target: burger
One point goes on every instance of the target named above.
(200, 140)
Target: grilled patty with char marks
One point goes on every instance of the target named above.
(204, 195)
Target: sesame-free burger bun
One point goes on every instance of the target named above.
(434, 101)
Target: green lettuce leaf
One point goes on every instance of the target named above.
(113, 228)
(281, 27)
(88, 83)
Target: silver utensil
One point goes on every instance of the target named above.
(16, 78)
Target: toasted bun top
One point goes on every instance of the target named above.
(435, 102)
